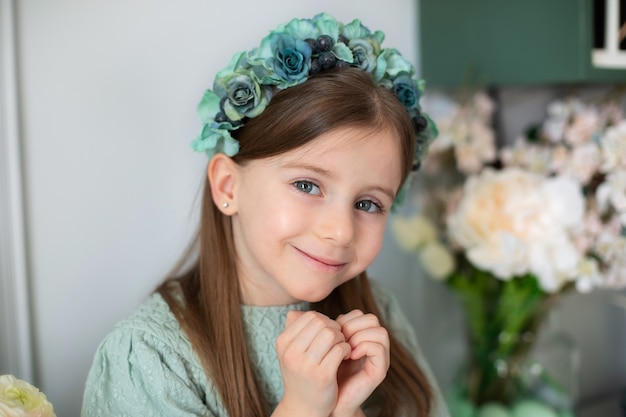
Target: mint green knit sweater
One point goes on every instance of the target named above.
(147, 367)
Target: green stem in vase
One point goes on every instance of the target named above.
(503, 318)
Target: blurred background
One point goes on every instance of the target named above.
(99, 187)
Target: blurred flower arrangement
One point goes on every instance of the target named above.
(18, 398)
(510, 229)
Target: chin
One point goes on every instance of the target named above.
(313, 297)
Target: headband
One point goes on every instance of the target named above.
(288, 56)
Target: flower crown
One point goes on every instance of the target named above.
(287, 57)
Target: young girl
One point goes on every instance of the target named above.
(310, 138)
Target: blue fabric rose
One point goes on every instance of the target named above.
(281, 60)
(292, 58)
(405, 88)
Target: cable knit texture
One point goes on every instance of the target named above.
(147, 367)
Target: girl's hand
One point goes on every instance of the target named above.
(310, 351)
(368, 363)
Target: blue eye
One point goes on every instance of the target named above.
(307, 187)
(368, 206)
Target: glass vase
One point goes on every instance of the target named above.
(508, 366)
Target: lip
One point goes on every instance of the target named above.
(321, 262)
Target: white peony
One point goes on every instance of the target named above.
(20, 399)
(513, 222)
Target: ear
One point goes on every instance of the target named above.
(222, 173)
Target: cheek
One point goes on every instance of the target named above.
(371, 241)
(279, 217)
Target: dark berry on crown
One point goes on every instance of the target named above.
(341, 64)
(327, 60)
(220, 117)
(324, 43)
(343, 39)
(313, 45)
(315, 66)
(420, 123)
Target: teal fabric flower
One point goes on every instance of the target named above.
(356, 30)
(389, 65)
(327, 25)
(364, 52)
(245, 97)
(299, 29)
(213, 141)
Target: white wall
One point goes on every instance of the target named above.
(108, 95)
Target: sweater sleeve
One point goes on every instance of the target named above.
(147, 367)
(134, 373)
(400, 326)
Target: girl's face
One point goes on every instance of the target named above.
(313, 218)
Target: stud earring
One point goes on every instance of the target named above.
(225, 204)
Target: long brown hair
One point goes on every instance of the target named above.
(211, 299)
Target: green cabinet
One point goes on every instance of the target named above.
(509, 42)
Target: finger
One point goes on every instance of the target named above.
(323, 343)
(294, 324)
(363, 339)
(336, 355)
(292, 316)
(296, 321)
(343, 318)
(370, 334)
(302, 331)
(358, 323)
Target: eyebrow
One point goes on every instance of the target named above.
(330, 175)
(310, 167)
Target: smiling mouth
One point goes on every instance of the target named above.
(329, 263)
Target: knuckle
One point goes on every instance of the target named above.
(328, 334)
(371, 318)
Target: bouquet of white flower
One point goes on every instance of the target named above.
(18, 398)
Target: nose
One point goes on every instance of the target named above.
(337, 225)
